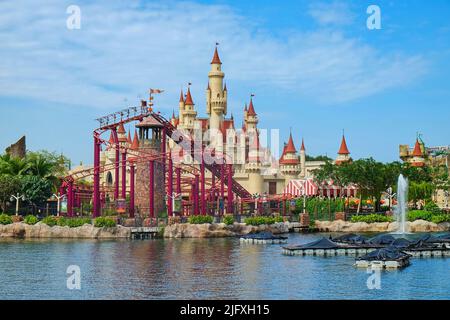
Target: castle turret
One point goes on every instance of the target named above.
(343, 153)
(289, 161)
(189, 114)
(251, 117)
(254, 165)
(418, 159)
(216, 93)
(181, 108)
(303, 159)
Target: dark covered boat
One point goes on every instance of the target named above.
(351, 238)
(263, 237)
(382, 239)
(389, 257)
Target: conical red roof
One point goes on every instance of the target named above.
(189, 101)
(343, 149)
(181, 96)
(251, 110)
(129, 141)
(417, 151)
(302, 148)
(245, 109)
(290, 147)
(111, 138)
(121, 129)
(216, 59)
(135, 144)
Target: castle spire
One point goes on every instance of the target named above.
(135, 144)
(188, 100)
(216, 59)
(302, 148)
(290, 147)
(251, 110)
(417, 150)
(181, 96)
(343, 148)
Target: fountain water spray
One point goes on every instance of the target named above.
(402, 203)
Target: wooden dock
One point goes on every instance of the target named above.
(144, 232)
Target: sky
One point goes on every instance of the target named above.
(313, 66)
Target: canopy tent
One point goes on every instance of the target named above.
(307, 187)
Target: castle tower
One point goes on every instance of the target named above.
(216, 93)
(289, 162)
(251, 117)
(303, 159)
(253, 165)
(343, 153)
(181, 108)
(189, 113)
(418, 159)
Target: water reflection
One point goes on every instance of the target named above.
(202, 269)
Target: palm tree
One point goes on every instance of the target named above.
(13, 166)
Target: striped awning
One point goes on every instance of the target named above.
(301, 187)
(307, 187)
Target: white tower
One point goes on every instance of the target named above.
(216, 93)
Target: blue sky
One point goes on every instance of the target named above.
(312, 65)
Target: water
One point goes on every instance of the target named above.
(202, 269)
(402, 204)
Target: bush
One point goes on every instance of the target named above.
(440, 218)
(30, 219)
(200, 219)
(256, 221)
(50, 221)
(228, 220)
(73, 222)
(371, 218)
(432, 207)
(419, 215)
(5, 219)
(104, 222)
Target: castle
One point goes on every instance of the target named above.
(254, 166)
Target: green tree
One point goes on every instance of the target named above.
(36, 189)
(9, 185)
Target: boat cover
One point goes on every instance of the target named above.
(385, 254)
(382, 239)
(322, 243)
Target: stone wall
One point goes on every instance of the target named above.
(346, 226)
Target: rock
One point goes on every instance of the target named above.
(347, 226)
(207, 230)
(41, 230)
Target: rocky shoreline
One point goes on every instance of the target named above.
(217, 230)
(355, 227)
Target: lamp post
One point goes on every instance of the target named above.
(390, 196)
(58, 206)
(17, 198)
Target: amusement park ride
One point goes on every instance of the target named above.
(186, 179)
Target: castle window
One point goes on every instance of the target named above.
(109, 179)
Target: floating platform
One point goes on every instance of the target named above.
(379, 264)
(384, 258)
(142, 233)
(263, 238)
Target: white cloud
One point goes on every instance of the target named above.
(123, 48)
(334, 13)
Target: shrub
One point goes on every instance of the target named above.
(104, 222)
(371, 218)
(432, 207)
(200, 219)
(30, 219)
(5, 219)
(228, 220)
(440, 218)
(50, 221)
(419, 214)
(256, 221)
(73, 222)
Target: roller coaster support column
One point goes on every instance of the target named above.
(70, 198)
(178, 173)
(151, 189)
(132, 174)
(116, 171)
(202, 186)
(222, 186)
(124, 174)
(230, 189)
(170, 187)
(163, 152)
(196, 200)
(96, 195)
(213, 187)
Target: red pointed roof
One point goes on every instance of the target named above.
(216, 59)
(343, 149)
(417, 151)
(121, 129)
(225, 87)
(189, 100)
(245, 109)
(290, 147)
(302, 148)
(111, 138)
(135, 144)
(251, 110)
(181, 96)
(129, 141)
